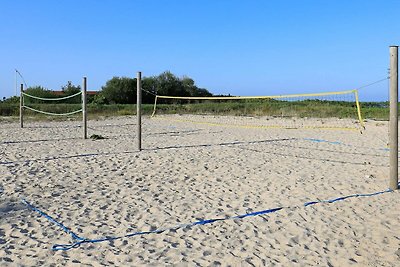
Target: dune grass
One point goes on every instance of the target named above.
(310, 108)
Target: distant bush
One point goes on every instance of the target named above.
(122, 90)
(9, 109)
(38, 91)
(119, 90)
(11, 100)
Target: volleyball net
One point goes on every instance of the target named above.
(328, 110)
(55, 106)
(64, 105)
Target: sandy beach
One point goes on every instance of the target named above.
(190, 172)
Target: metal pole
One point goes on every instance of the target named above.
(21, 106)
(393, 132)
(139, 110)
(84, 113)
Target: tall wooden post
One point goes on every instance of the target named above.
(139, 111)
(16, 83)
(21, 106)
(84, 112)
(393, 132)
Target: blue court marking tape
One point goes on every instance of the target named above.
(346, 197)
(324, 141)
(77, 240)
(51, 219)
(337, 143)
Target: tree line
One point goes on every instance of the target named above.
(122, 90)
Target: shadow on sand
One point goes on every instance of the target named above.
(236, 144)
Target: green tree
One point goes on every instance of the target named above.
(119, 90)
(37, 91)
(123, 90)
(169, 84)
(70, 89)
(188, 85)
(149, 85)
(202, 92)
(192, 89)
(99, 99)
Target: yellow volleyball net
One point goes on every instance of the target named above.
(330, 110)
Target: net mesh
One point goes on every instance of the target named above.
(331, 110)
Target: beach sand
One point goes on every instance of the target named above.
(188, 172)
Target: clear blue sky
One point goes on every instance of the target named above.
(258, 47)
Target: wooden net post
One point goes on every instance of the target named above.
(84, 112)
(139, 111)
(21, 106)
(393, 123)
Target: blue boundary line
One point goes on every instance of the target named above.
(324, 141)
(77, 240)
(315, 140)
